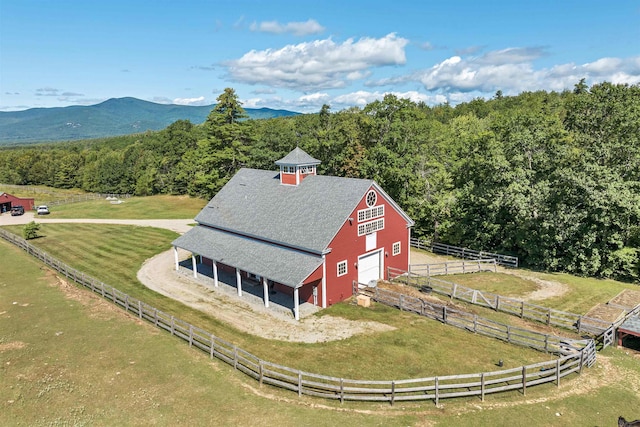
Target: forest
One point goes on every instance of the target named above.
(550, 177)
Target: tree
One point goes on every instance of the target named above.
(30, 230)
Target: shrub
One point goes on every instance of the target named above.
(30, 230)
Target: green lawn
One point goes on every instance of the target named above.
(82, 362)
(114, 253)
(152, 207)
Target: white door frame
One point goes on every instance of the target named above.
(380, 262)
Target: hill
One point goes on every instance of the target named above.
(117, 116)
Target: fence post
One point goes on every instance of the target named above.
(497, 302)
(393, 392)
(522, 309)
(261, 371)
(482, 386)
(579, 323)
(524, 380)
(549, 317)
(558, 372)
(140, 309)
(437, 391)
(341, 390)
(213, 341)
(444, 314)
(299, 383)
(401, 299)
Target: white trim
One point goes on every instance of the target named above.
(265, 291)
(175, 256)
(370, 213)
(346, 268)
(194, 265)
(214, 266)
(380, 263)
(371, 226)
(324, 281)
(393, 248)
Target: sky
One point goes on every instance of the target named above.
(300, 55)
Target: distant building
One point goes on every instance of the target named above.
(7, 201)
(310, 236)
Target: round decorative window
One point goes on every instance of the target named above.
(372, 197)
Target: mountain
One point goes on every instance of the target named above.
(117, 116)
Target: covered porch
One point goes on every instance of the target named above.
(250, 267)
(251, 291)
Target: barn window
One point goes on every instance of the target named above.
(396, 248)
(342, 268)
(372, 197)
(370, 213)
(371, 226)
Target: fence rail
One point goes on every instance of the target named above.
(453, 267)
(75, 198)
(465, 253)
(311, 384)
(514, 306)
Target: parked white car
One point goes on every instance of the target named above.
(42, 210)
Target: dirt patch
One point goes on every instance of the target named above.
(158, 273)
(605, 312)
(545, 288)
(628, 298)
(13, 345)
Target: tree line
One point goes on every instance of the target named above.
(550, 177)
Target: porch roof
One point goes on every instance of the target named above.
(631, 325)
(282, 265)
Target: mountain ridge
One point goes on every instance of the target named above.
(113, 117)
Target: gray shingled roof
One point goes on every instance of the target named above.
(307, 216)
(632, 324)
(298, 157)
(286, 266)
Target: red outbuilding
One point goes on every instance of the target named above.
(7, 201)
(310, 236)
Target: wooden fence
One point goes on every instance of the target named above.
(453, 267)
(514, 306)
(75, 198)
(465, 253)
(310, 384)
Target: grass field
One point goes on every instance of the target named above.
(113, 254)
(63, 359)
(69, 358)
(153, 207)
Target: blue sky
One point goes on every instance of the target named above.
(303, 54)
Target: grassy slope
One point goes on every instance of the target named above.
(72, 367)
(82, 362)
(154, 207)
(113, 254)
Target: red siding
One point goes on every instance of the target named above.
(346, 245)
(8, 201)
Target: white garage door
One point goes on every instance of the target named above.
(369, 267)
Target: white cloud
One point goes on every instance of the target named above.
(512, 71)
(296, 28)
(190, 101)
(322, 64)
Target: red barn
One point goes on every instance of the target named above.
(308, 235)
(7, 201)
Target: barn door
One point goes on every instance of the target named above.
(369, 267)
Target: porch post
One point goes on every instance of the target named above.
(324, 281)
(215, 273)
(238, 282)
(265, 291)
(296, 304)
(175, 256)
(194, 265)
